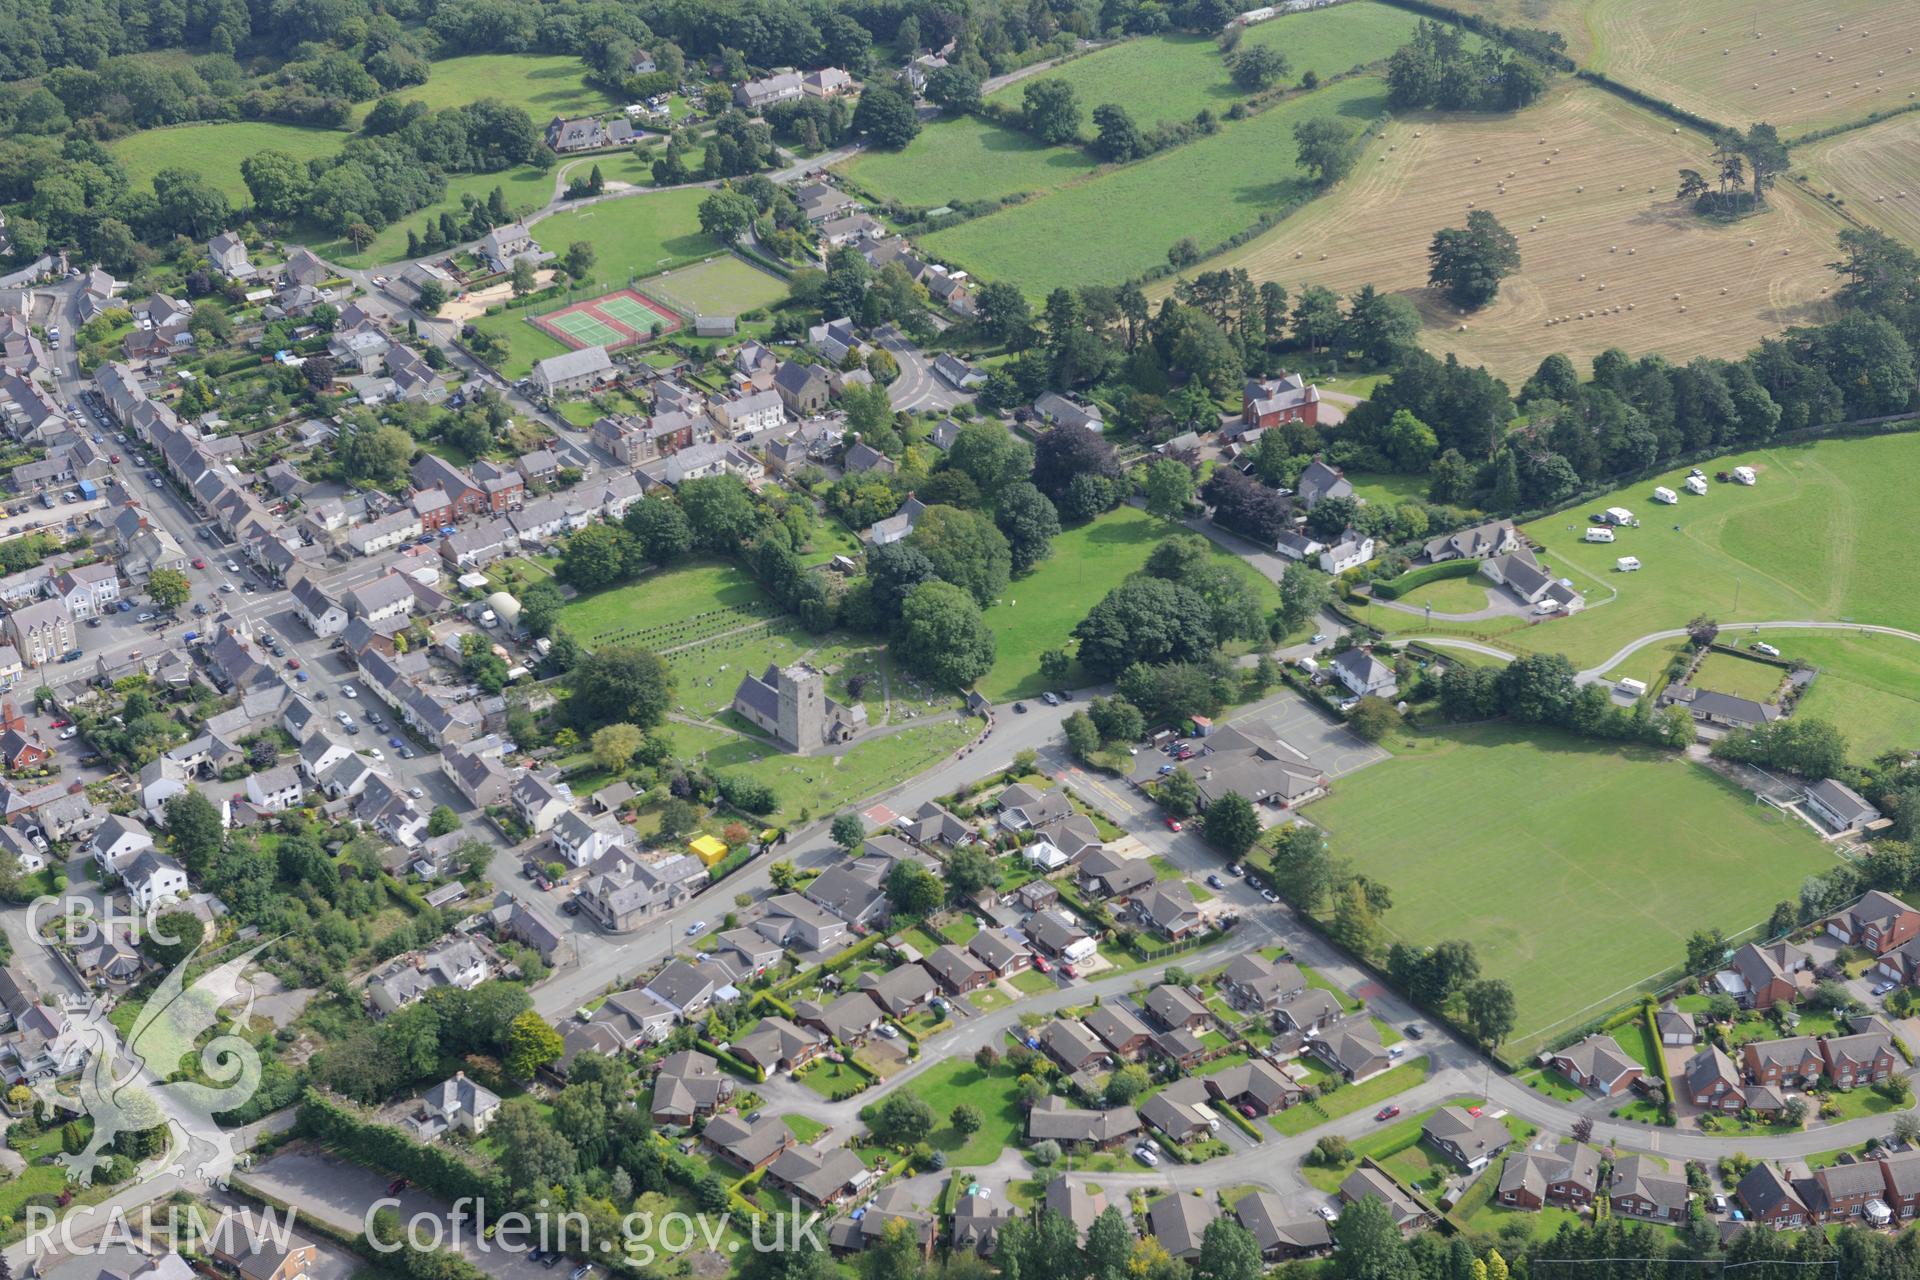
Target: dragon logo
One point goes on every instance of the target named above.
(164, 1075)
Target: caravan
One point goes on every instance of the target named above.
(1665, 495)
(1627, 564)
(1697, 485)
(1744, 475)
(1620, 516)
(1599, 533)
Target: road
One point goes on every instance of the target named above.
(1632, 647)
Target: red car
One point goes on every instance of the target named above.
(113, 457)
(199, 563)
(59, 724)
(294, 663)
(1040, 963)
(1386, 1113)
(1173, 824)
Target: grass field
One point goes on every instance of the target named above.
(1870, 169)
(633, 237)
(1041, 610)
(1385, 487)
(1724, 673)
(216, 150)
(1173, 78)
(1613, 242)
(1450, 595)
(966, 159)
(1537, 847)
(525, 188)
(957, 1080)
(1786, 549)
(1869, 685)
(1118, 224)
(543, 85)
(680, 595)
(724, 285)
(1663, 49)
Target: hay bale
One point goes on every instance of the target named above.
(1751, 243)
(1583, 275)
(1676, 297)
(1629, 306)
(1683, 311)
(1631, 252)
(1613, 248)
(1601, 289)
(1723, 292)
(1621, 187)
(1461, 329)
(1579, 189)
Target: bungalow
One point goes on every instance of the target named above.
(817, 1177)
(633, 1018)
(751, 1146)
(1281, 1237)
(683, 988)
(1119, 1029)
(1496, 537)
(1352, 1047)
(900, 990)
(1720, 710)
(1468, 1140)
(892, 1210)
(1053, 1119)
(1023, 807)
(1169, 911)
(1056, 410)
(688, 1085)
(996, 949)
(1258, 1087)
(1175, 1008)
(1364, 675)
(779, 1044)
(1105, 874)
(847, 1021)
(1179, 1221)
(957, 970)
(1071, 1045)
(1368, 1183)
(1054, 934)
(1597, 1063)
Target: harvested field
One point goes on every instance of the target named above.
(1608, 245)
(1876, 170)
(1802, 67)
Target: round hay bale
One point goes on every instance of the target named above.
(1629, 306)
(1579, 189)
(1725, 52)
(1793, 90)
(1649, 190)
(1750, 244)
(1469, 204)
(1879, 73)
(1786, 253)
(1589, 315)
(1298, 255)
(1476, 159)
(1723, 292)
(1683, 311)
(1548, 160)
(1323, 257)
(1856, 84)
(1703, 31)
(1416, 133)
(1621, 187)
(1756, 84)
(1556, 151)
(1879, 199)
(1461, 329)
(1613, 248)
(1631, 252)
(1829, 93)
(1601, 289)
(1393, 146)
(1676, 297)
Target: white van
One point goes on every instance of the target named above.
(1599, 534)
(1665, 495)
(1627, 564)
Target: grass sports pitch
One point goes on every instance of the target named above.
(1545, 851)
(611, 320)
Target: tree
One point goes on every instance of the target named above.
(378, 457)
(953, 89)
(1146, 620)
(1232, 825)
(912, 890)
(1030, 523)
(1051, 111)
(173, 937)
(966, 1119)
(904, 1118)
(531, 1044)
(964, 548)
(1469, 264)
(1055, 665)
(886, 116)
(1125, 1084)
(1118, 139)
(943, 637)
(848, 831)
(621, 683)
(1117, 719)
(1257, 68)
(524, 281)
(1303, 592)
(1228, 1251)
(1490, 1010)
(431, 297)
(1169, 488)
(196, 829)
(597, 556)
(277, 182)
(1178, 793)
(1369, 1243)
(967, 872)
(1380, 326)
(1324, 148)
(660, 531)
(614, 746)
(1373, 718)
(726, 215)
(1082, 738)
(168, 588)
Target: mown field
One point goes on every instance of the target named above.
(1814, 65)
(1538, 847)
(1876, 170)
(216, 150)
(1600, 173)
(725, 285)
(542, 85)
(966, 159)
(1808, 541)
(634, 237)
(1122, 222)
(1869, 685)
(1040, 611)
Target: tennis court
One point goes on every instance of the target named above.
(611, 320)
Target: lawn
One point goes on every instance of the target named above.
(1787, 548)
(669, 607)
(1335, 40)
(1741, 677)
(1536, 845)
(966, 159)
(544, 86)
(1448, 595)
(1388, 488)
(804, 1128)
(1032, 982)
(827, 1078)
(957, 1080)
(216, 150)
(725, 285)
(1041, 610)
(1115, 226)
(1349, 1098)
(1869, 685)
(820, 784)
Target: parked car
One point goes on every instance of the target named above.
(1414, 1031)
(1235, 870)
(1879, 988)
(1051, 698)
(1215, 882)
(1020, 708)
(1145, 1156)
(698, 926)
(1386, 1113)
(1328, 1212)
(1173, 824)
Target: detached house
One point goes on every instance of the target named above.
(1762, 975)
(1597, 1063)
(1878, 922)
(1468, 1140)
(1564, 1174)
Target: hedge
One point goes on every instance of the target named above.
(356, 1135)
(1240, 1122)
(1649, 1008)
(731, 1063)
(1394, 588)
(730, 864)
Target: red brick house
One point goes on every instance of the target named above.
(1272, 401)
(1879, 922)
(1770, 1199)
(1798, 1060)
(1597, 1063)
(1851, 1061)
